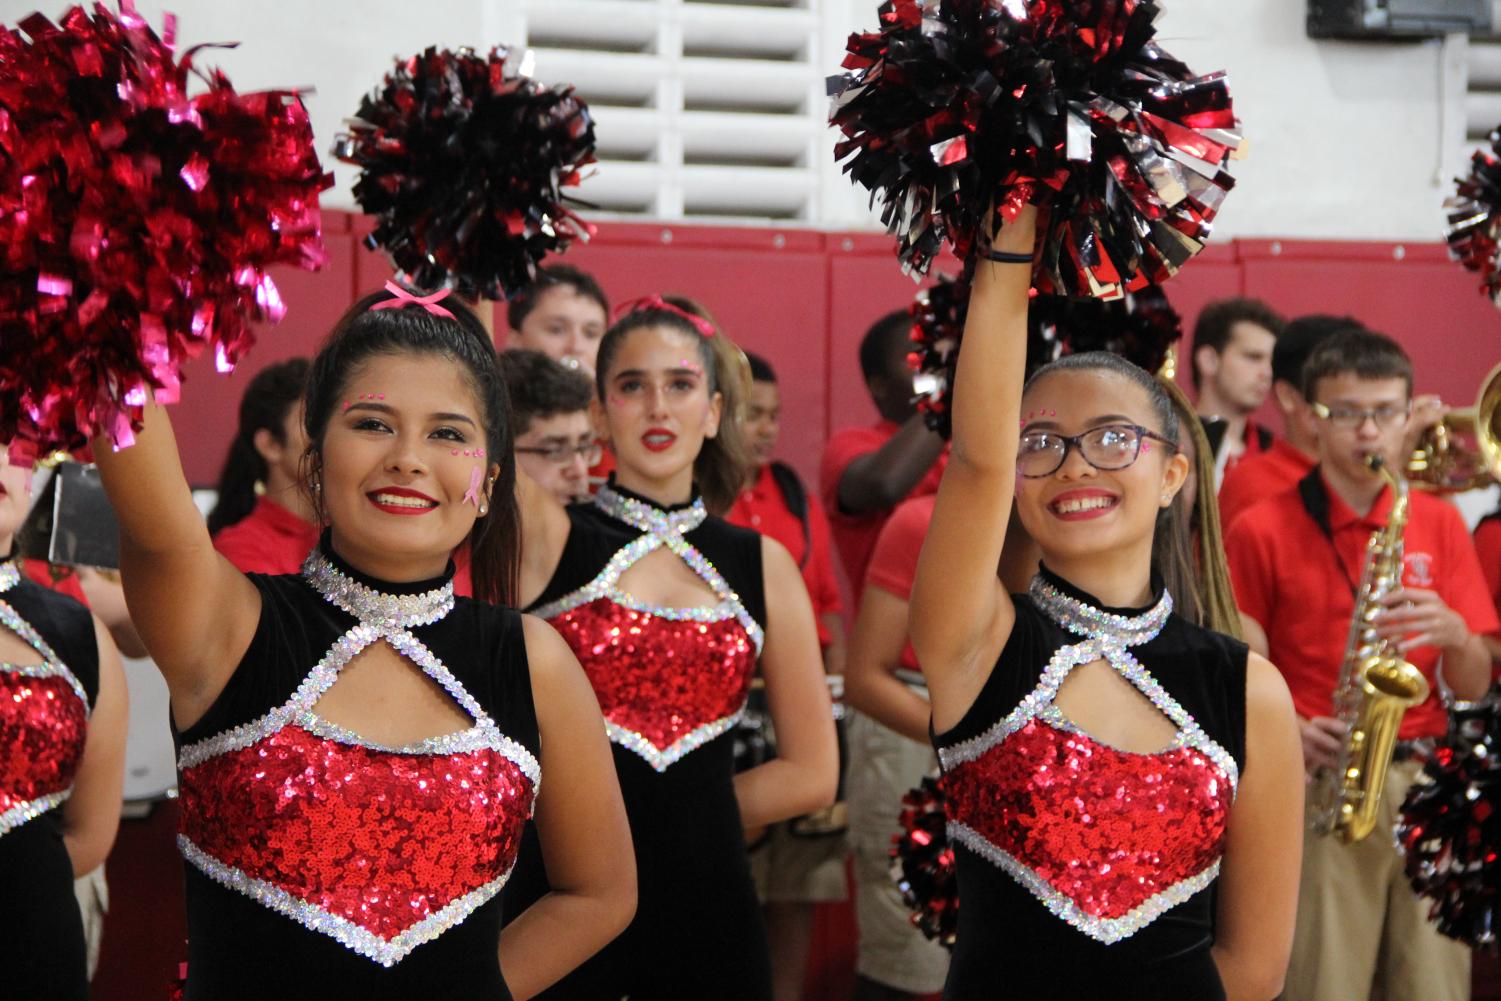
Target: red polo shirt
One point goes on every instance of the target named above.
(273, 540)
(270, 539)
(893, 563)
(1260, 476)
(763, 509)
(1488, 548)
(855, 534)
(57, 578)
(1288, 577)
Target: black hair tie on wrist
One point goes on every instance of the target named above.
(1007, 257)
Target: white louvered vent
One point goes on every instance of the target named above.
(1483, 96)
(702, 110)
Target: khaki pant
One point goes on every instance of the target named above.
(788, 869)
(1361, 931)
(883, 766)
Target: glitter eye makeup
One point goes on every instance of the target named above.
(364, 396)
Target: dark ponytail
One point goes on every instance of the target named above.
(725, 464)
(1172, 549)
(494, 543)
(269, 398)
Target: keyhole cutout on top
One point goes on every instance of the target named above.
(388, 700)
(17, 652)
(662, 578)
(1098, 700)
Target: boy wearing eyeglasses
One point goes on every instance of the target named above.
(1296, 560)
(555, 442)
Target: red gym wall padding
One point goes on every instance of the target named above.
(803, 299)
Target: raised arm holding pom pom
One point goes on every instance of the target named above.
(1106, 759)
(359, 749)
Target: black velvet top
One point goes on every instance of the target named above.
(322, 865)
(1083, 870)
(40, 924)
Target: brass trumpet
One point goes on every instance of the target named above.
(1463, 451)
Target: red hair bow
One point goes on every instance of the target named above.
(655, 301)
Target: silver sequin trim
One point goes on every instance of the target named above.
(322, 678)
(30, 810)
(383, 617)
(472, 739)
(52, 665)
(1084, 619)
(1106, 636)
(1106, 930)
(660, 759)
(385, 952)
(398, 611)
(659, 528)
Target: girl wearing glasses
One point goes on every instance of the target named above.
(1122, 782)
(669, 608)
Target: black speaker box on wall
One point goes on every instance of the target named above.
(1396, 19)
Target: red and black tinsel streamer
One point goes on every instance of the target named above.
(464, 160)
(955, 105)
(1141, 327)
(938, 315)
(137, 223)
(922, 863)
(1450, 827)
(1474, 231)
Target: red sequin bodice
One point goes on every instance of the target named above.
(1107, 840)
(43, 726)
(668, 680)
(665, 685)
(381, 848)
(1104, 829)
(382, 844)
(44, 718)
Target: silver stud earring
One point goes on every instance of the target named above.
(484, 509)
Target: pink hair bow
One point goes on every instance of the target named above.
(405, 298)
(655, 301)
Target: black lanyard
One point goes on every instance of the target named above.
(1315, 497)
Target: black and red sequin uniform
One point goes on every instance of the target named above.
(44, 713)
(671, 683)
(323, 865)
(1084, 870)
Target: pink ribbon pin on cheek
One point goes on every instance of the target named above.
(476, 477)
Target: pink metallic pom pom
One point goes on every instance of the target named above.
(138, 223)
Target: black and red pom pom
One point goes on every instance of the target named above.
(1141, 327)
(922, 863)
(957, 107)
(464, 163)
(1474, 212)
(1450, 827)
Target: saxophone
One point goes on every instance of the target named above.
(1376, 686)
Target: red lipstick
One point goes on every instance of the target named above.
(392, 493)
(658, 439)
